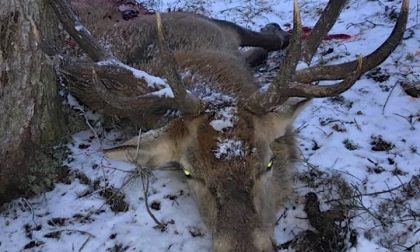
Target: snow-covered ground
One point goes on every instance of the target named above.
(368, 137)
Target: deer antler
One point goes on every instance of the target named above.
(169, 64)
(287, 68)
(292, 83)
(335, 72)
(109, 73)
(321, 28)
(78, 32)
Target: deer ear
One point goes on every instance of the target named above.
(287, 113)
(158, 147)
(124, 152)
(275, 124)
(153, 149)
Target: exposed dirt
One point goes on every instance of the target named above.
(379, 144)
(412, 89)
(332, 231)
(350, 145)
(115, 199)
(33, 244)
(378, 75)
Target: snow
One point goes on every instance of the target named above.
(229, 149)
(221, 104)
(364, 112)
(78, 26)
(224, 118)
(152, 81)
(366, 245)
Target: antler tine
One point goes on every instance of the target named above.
(264, 102)
(186, 103)
(312, 91)
(322, 27)
(288, 67)
(280, 90)
(119, 101)
(336, 72)
(77, 31)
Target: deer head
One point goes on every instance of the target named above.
(232, 138)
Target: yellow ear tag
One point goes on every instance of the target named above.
(186, 172)
(270, 164)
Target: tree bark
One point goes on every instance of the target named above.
(31, 117)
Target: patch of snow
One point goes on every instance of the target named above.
(152, 81)
(364, 245)
(224, 118)
(229, 149)
(221, 104)
(72, 102)
(220, 125)
(79, 27)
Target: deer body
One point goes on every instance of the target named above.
(205, 50)
(234, 139)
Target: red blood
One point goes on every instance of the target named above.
(71, 43)
(307, 30)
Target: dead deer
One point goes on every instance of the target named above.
(232, 138)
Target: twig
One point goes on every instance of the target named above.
(84, 244)
(111, 197)
(83, 113)
(346, 172)
(306, 160)
(146, 202)
(401, 183)
(78, 231)
(409, 248)
(281, 216)
(409, 119)
(357, 125)
(362, 23)
(301, 127)
(117, 169)
(368, 210)
(387, 99)
(325, 133)
(367, 194)
(144, 175)
(29, 205)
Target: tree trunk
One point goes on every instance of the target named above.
(30, 112)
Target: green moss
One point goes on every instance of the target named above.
(44, 171)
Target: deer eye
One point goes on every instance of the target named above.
(270, 164)
(187, 172)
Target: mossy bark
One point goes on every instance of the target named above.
(31, 117)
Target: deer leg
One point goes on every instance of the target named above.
(258, 55)
(255, 56)
(271, 37)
